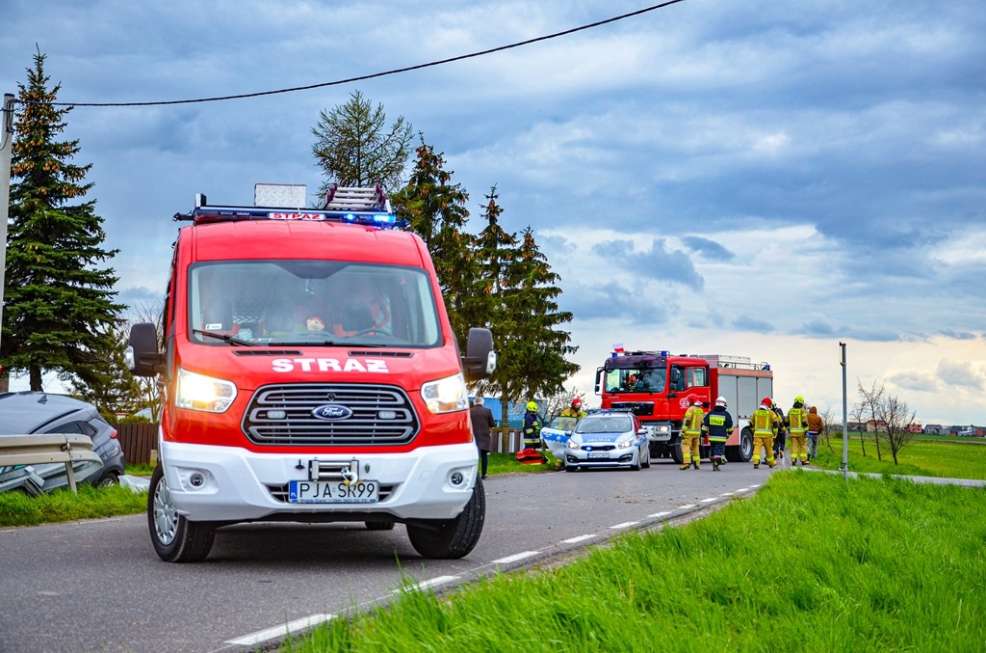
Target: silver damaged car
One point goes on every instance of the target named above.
(607, 439)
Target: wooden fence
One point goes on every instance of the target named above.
(137, 441)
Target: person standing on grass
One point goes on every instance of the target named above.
(482, 422)
(816, 426)
(797, 426)
(691, 431)
(764, 421)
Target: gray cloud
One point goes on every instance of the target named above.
(958, 335)
(708, 248)
(611, 301)
(747, 323)
(960, 373)
(658, 262)
(918, 381)
(822, 329)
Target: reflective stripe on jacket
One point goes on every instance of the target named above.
(763, 420)
(797, 423)
(691, 423)
(719, 424)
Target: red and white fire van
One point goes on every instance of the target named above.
(310, 375)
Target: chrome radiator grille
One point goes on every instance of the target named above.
(284, 415)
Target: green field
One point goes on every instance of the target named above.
(18, 509)
(917, 458)
(810, 563)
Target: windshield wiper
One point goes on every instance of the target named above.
(229, 340)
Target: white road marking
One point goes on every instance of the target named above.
(709, 500)
(727, 494)
(755, 485)
(433, 582)
(515, 557)
(743, 489)
(625, 524)
(687, 506)
(658, 515)
(280, 631)
(578, 538)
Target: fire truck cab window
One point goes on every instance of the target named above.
(636, 380)
(695, 377)
(312, 302)
(677, 379)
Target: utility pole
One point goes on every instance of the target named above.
(845, 417)
(6, 149)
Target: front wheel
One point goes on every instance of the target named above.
(647, 459)
(175, 539)
(452, 538)
(676, 454)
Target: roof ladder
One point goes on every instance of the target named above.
(354, 198)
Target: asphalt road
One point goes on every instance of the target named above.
(98, 586)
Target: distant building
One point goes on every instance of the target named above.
(934, 429)
(915, 428)
(875, 424)
(955, 429)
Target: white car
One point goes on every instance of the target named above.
(607, 439)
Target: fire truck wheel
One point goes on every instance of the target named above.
(379, 525)
(175, 539)
(453, 538)
(676, 453)
(744, 451)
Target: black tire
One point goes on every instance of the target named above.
(453, 538)
(743, 452)
(109, 480)
(192, 540)
(379, 525)
(647, 464)
(676, 455)
(571, 468)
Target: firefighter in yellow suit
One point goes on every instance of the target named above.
(765, 423)
(691, 432)
(797, 428)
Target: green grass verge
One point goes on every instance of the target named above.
(139, 469)
(18, 509)
(505, 463)
(917, 458)
(811, 563)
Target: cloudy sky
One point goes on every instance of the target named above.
(745, 177)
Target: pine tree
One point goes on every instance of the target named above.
(355, 147)
(534, 349)
(60, 312)
(116, 392)
(436, 209)
(495, 249)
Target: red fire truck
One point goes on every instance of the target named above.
(659, 387)
(311, 375)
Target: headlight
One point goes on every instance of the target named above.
(625, 443)
(200, 392)
(572, 444)
(663, 428)
(446, 395)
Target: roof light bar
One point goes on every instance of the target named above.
(204, 214)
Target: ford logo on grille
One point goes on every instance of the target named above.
(331, 412)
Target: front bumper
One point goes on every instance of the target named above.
(614, 458)
(241, 485)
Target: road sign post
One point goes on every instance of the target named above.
(6, 150)
(845, 417)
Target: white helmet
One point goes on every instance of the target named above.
(698, 402)
(721, 401)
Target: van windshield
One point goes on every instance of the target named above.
(305, 302)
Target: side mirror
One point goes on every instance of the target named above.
(599, 379)
(142, 355)
(480, 359)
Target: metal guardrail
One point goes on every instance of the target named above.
(47, 449)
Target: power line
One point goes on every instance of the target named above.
(384, 73)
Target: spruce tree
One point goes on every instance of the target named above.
(535, 348)
(117, 392)
(436, 209)
(60, 313)
(355, 147)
